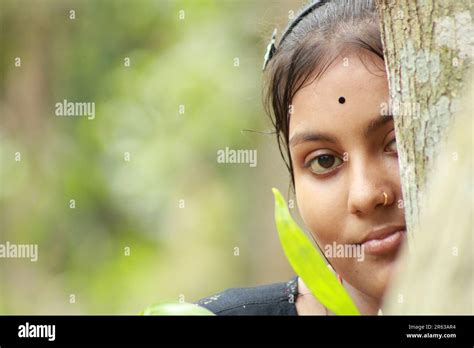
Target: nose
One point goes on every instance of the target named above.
(367, 184)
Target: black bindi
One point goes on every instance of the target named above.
(342, 100)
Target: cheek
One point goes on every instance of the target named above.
(394, 171)
(393, 175)
(322, 207)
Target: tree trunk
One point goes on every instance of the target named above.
(428, 47)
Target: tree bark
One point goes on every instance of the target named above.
(436, 273)
(428, 48)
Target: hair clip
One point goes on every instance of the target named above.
(270, 50)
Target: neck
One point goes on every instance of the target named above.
(366, 304)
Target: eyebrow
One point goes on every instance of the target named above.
(377, 123)
(302, 137)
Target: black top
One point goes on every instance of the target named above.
(271, 299)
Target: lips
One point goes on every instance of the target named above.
(383, 240)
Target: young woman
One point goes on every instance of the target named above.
(327, 92)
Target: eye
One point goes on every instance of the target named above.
(324, 163)
(392, 146)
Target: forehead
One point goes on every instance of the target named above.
(363, 85)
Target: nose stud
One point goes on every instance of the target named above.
(385, 198)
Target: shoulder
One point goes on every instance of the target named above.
(269, 299)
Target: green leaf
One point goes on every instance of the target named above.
(176, 309)
(308, 263)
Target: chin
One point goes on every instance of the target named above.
(371, 276)
(381, 272)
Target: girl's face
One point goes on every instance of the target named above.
(344, 157)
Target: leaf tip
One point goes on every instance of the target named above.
(277, 195)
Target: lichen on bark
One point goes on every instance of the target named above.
(428, 47)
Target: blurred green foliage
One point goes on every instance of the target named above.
(176, 309)
(192, 226)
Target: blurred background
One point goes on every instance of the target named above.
(155, 216)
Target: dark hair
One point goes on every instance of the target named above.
(328, 32)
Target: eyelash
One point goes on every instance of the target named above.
(393, 140)
(311, 161)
